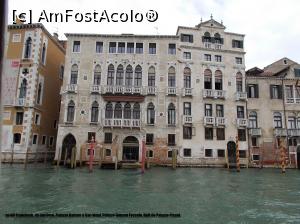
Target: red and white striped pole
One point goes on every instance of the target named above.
(91, 154)
(143, 156)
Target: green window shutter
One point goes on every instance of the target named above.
(271, 92)
(280, 92)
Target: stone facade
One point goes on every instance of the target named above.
(198, 84)
(273, 112)
(30, 94)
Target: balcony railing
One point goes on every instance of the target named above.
(280, 132)
(221, 121)
(241, 95)
(95, 89)
(209, 120)
(151, 90)
(241, 122)
(219, 94)
(187, 119)
(122, 123)
(72, 88)
(292, 100)
(122, 90)
(208, 93)
(172, 90)
(210, 45)
(212, 93)
(255, 131)
(294, 132)
(20, 102)
(187, 92)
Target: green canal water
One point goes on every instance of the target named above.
(200, 195)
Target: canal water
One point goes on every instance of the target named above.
(199, 195)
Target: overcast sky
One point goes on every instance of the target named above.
(272, 27)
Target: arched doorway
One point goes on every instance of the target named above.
(231, 153)
(298, 156)
(68, 143)
(130, 149)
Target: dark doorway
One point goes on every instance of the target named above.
(231, 153)
(130, 149)
(298, 156)
(68, 143)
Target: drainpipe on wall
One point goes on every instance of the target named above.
(248, 133)
(285, 121)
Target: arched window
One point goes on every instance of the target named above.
(44, 53)
(136, 113)
(239, 82)
(150, 114)
(277, 120)
(171, 77)
(17, 138)
(97, 75)
(138, 76)
(39, 93)
(187, 77)
(253, 119)
(118, 111)
(171, 114)
(218, 80)
(151, 76)
(71, 111)
(110, 75)
(95, 112)
(119, 77)
(217, 38)
(128, 76)
(207, 79)
(74, 74)
(127, 111)
(206, 37)
(23, 89)
(27, 52)
(109, 110)
(291, 122)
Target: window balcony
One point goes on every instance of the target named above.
(280, 132)
(96, 89)
(209, 120)
(151, 90)
(218, 46)
(208, 93)
(212, 93)
(187, 119)
(122, 123)
(220, 94)
(172, 91)
(241, 95)
(255, 131)
(241, 122)
(207, 45)
(71, 88)
(294, 132)
(221, 121)
(20, 102)
(187, 92)
(122, 90)
(291, 100)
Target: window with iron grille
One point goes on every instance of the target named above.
(171, 139)
(107, 137)
(149, 139)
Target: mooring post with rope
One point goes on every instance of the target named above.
(282, 155)
(92, 146)
(143, 156)
(237, 154)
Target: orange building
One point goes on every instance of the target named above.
(32, 78)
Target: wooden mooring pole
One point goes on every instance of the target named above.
(282, 155)
(174, 158)
(26, 159)
(92, 146)
(12, 154)
(237, 155)
(58, 156)
(143, 156)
